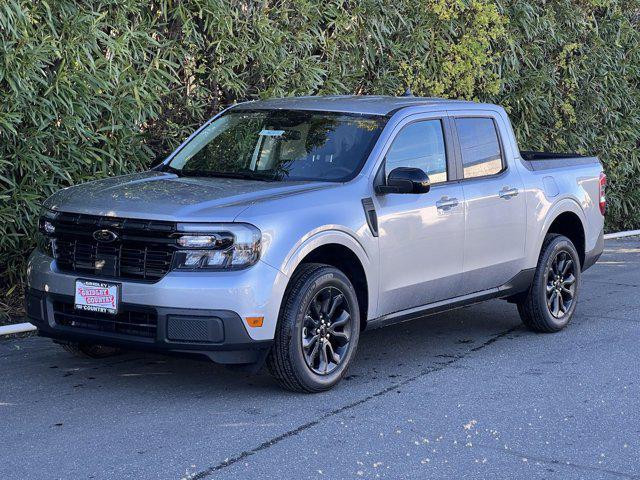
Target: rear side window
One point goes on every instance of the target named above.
(480, 147)
(420, 145)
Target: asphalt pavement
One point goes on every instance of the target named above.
(465, 394)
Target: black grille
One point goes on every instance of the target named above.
(143, 249)
(138, 321)
(194, 329)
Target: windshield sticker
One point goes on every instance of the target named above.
(272, 133)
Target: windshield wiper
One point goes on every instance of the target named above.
(169, 169)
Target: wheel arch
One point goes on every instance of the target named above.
(566, 218)
(344, 252)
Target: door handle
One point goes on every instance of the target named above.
(507, 193)
(446, 203)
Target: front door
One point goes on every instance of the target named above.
(421, 236)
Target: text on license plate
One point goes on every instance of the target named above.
(96, 296)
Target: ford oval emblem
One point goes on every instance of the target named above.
(105, 236)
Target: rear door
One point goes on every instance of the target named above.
(421, 235)
(495, 223)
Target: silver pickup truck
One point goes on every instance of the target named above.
(283, 228)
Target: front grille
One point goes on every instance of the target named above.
(137, 321)
(143, 249)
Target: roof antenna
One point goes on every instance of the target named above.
(407, 92)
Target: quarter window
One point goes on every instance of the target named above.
(480, 147)
(420, 145)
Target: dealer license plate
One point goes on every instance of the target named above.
(97, 296)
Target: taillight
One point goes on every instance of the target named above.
(601, 192)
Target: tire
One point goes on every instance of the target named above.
(86, 350)
(559, 271)
(308, 309)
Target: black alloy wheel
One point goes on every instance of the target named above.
(561, 284)
(326, 331)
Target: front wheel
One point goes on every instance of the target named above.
(551, 300)
(317, 331)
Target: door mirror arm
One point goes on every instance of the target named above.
(405, 180)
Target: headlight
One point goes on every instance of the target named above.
(217, 246)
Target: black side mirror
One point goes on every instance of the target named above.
(406, 180)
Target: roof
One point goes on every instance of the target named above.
(367, 104)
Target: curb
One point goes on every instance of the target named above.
(16, 328)
(628, 233)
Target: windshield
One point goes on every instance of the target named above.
(280, 145)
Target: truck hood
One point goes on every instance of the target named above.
(165, 196)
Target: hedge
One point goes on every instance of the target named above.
(92, 88)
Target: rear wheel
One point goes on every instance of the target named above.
(317, 331)
(88, 350)
(551, 300)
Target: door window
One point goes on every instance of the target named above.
(480, 147)
(420, 145)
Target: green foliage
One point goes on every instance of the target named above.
(570, 81)
(77, 86)
(93, 88)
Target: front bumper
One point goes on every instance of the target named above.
(217, 303)
(218, 335)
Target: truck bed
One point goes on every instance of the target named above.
(545, 160)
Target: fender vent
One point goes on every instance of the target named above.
(370, 214)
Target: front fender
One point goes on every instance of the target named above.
(333, 235)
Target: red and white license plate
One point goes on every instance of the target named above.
(97, 296)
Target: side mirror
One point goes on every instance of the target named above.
(406, 180)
